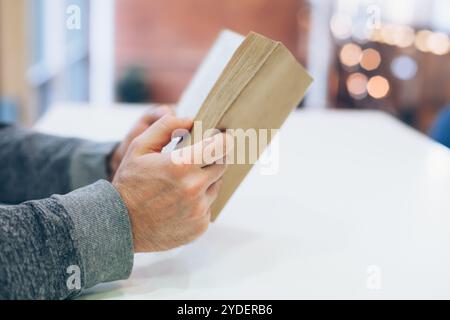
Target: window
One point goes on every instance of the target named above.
(71, 63)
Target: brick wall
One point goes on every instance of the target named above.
(14, 89)
(169, 38)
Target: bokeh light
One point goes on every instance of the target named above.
(378, 87)
(421, 41)
(371, 59)
(376, 35)
(361, 35)
(438, 43)
(351, 55)
(388, 34)
(341, 26)
(395, 35)
(404, 36)
(404, 67)
(357, 85)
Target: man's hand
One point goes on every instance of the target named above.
(168, 202)
(143, 123)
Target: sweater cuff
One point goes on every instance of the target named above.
(89, 163)
(102, 232)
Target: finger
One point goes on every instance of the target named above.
(213, 191)
(208, 215)
(153, 115)
(208, 219)
(214, 173)
(159, 134)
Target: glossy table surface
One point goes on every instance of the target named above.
(359, 208)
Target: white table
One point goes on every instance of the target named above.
(359, 209)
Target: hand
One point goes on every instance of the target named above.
(168, 202)
(143, 123)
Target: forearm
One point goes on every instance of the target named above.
(43, 243)
(35, 166)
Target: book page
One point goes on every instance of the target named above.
(208, 73)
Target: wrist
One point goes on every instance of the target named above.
(113, 163)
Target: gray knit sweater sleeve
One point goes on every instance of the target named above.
(55, 247)
(35, 166)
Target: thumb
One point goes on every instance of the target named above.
(158, 135)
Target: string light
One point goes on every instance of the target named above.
(427, 41)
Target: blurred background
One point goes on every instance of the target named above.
(364, 54)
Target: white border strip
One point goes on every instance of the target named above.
(102, 29)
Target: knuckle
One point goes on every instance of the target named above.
(194, 188)
(201, 182)
(215, 189)
(191, 192)
(175, 168)
(168, 119)
(189, 188)
(135, 143)
(199, 210)
(166, 122)
(178, 168)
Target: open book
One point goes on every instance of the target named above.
(244, 83)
